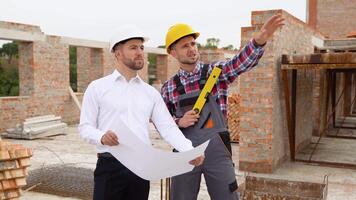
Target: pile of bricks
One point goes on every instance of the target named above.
(14, 160)
(233, 116)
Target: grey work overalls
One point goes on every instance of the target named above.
(218, 168)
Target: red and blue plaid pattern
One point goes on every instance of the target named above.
(245, 60)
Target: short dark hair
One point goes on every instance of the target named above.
(124, 41)
(175, 42)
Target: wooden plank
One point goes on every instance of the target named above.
(321, 58)
(324, 101)
(288, 112)
(319, 66)
(74, 97)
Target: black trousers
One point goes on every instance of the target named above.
(113, 181)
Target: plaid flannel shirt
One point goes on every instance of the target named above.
(245, 60)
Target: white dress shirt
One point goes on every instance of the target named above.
(135, 103)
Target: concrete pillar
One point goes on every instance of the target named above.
(26, 69)
(83, 68)
(162, 65)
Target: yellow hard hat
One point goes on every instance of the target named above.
(178, 31)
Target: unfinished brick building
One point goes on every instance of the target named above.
(278, 117)
(266, 138)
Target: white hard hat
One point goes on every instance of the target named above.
(124, 33)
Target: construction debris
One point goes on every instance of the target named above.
(14, 160)
(37, 127)
(63, 180)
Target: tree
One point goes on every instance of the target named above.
(212, 43)
(229, 47)
(10, 50)
(9, 81)
(9, 76)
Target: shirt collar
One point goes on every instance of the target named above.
(185, 74)
(118, 76)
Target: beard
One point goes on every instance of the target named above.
(189, 61)
(135, 64)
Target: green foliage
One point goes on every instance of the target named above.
(9, 81)
(73, 68)
(213, 43)
(152, 69)
(229, 47)
(199, 45)
(9, 75)
(10, 50)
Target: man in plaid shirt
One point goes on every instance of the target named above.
(218, 168)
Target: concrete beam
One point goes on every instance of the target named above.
(104, 45)
(317, 42)
(341, 42)
(159, 51)
(229, 55)
(7, 34)
(84, 43)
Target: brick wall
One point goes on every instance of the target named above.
(211, 55)
(334, 18)
(109, 62)
(263, 135)
(167, 66)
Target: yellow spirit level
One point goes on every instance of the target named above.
(199, 104)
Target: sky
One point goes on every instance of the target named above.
(97, 19)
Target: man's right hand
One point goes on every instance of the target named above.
(109, 138)
(189, 119)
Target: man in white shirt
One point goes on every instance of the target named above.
(124, 95)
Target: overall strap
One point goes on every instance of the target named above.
(203, 76)
(179, 85)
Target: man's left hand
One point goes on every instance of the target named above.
(197, 161)
(268, 29)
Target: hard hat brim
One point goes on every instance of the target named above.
(112, 45)
(195, 35)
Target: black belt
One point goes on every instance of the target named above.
(104, 155)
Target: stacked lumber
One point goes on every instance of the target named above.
(233, 116)
(14, 160)
(37, 127)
